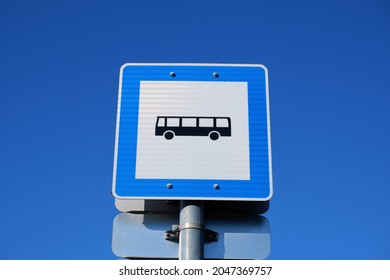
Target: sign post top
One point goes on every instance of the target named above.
(193, 131)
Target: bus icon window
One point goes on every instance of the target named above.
(213, 127)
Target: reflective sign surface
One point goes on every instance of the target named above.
(193, 132)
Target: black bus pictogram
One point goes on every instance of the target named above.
(213, 127)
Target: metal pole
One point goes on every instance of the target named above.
(191, 238)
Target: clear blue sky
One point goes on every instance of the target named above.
(328, 65)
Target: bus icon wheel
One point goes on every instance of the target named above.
(214, 135)
(169, 135)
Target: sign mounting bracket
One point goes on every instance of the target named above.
(174, 233)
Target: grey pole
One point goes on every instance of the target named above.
(191, 238)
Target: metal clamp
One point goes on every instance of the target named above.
(174, 233)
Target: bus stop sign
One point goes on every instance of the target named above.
(193, 132)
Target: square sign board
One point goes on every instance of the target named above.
(193, 131)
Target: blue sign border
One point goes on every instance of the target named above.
(258, 188)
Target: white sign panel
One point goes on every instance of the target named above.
(191, 156)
